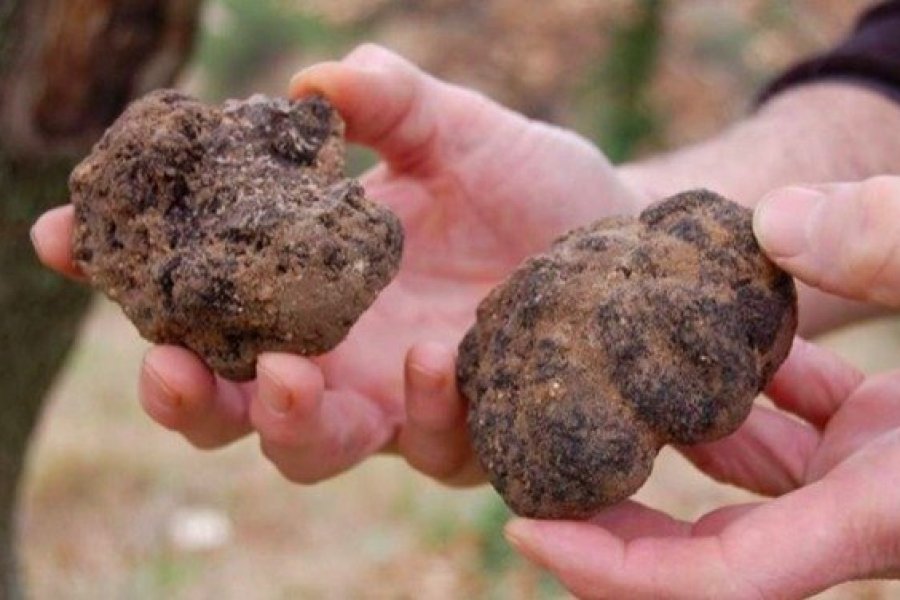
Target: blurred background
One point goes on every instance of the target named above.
(115, 507)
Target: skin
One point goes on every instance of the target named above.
(478, 188)
(447, 156)
(832, 472)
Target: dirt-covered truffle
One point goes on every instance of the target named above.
(626, 335)
(231, 230)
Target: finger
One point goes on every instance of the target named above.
(715, 521)
(594, 563)
(180, 393)
(630, 520)
(768, 454)
(843, 239)
(392, 106)
(51, 236)
(435, 439)
(813, 382)
(308, 433)
(871, 412)
(792, 547)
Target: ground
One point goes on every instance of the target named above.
(116, 507)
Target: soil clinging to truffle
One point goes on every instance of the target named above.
(626, 335)
(231, 230)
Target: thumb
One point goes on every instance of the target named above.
(397, 109)
(843, 238)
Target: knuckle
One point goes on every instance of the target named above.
(280, 437)
(370, 54)
(871, 254)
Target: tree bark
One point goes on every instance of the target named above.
(67, 69)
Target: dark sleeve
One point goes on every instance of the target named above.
(869, 56)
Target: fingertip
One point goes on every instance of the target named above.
(518, 530)
(781, 220)
(174, 383)
(155, 393)
(288, 383)
(366, 98)
(556, 545)
(365, 57)
(432, 400)
(808, 356)
(51, 236)
(321, 78)
(430, 365)
(386, 103)
(813, 382)
(369, 55)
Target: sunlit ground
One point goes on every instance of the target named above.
(116, 507)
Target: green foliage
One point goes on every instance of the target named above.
(495, 554)
(615, 91)
(550, 587)
(163, 575)
(360, 159)
(245, 34)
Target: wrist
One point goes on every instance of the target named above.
(821, 132)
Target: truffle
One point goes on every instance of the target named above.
(231, 230)
(626, 335)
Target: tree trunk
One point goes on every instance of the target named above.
(67, 69)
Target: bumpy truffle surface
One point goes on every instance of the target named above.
(626, 335)
(231, 230)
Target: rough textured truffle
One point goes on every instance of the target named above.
(626, 335)
(231, 230)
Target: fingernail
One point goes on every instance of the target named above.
(162, 394)
(782, 220)
(34, 238)
(516, 532)
(429, 366)
(273, 393)
(520, 535)
(426, 380)
(297, 77)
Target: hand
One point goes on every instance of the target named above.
(477, 188)
(842, 238)
(833, 465)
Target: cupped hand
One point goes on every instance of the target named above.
(836, 516)
(477, 188)
(829, 453)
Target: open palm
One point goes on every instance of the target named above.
(477, 188)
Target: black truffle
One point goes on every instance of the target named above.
(626, 335)
(231, 230)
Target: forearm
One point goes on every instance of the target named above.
(815, 133)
